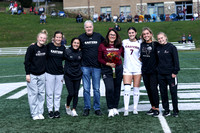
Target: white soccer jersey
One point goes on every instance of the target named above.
(131, 56)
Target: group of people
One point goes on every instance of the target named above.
(186, 40)
(90, 56)
(14, 8)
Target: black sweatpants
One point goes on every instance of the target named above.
(73, 88)
(164, 81)
(151, 85)
(112, 85)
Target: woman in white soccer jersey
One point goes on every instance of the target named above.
(132, 69)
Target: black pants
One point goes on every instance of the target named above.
(151, 85)
(73, 88)
(164, 81)
(112, 85)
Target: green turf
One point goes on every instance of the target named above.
(15, 116)
(21, 30)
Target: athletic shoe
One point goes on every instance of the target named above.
(150, 112)
(73, 113)
(41, 116)
(51, 115)
(86, 112)
(111, 113)
(126, 112)
(115, 111)
(155, 113)
(166, 113)
(68, 110)
(135, 112)
(36, 117)
(57, 114)
(98, 112)
(175, 114)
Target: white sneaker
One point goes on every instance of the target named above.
(68, 110)
(115, 111)
(36, 117)
(41, 117)
(111, 113)
(135, 111)
(74, 113)
(126, 112)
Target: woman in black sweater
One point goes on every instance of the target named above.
(168, 67)
(148, 58)
(35, 65)
(72, 74)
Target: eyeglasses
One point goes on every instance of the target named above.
(112, 35)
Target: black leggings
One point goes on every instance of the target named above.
(151, 85)
(112, 85)
(73, 88)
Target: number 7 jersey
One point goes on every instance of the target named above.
(131, 56)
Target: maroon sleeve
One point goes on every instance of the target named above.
(122, 52)
(101, 58)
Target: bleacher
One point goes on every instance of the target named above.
(186, 46)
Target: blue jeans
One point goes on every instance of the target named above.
(96, 75)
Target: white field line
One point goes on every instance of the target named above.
(18, 94)
(164, 124)
(10, 76)
(8, 87)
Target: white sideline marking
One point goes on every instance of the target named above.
(8, 87)
(164, 124)
(18, 94)
(9, 76)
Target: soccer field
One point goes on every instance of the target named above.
(15, 116)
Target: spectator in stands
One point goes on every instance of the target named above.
(184, 13)
(102, 17)
(121, 17)
(115, 17)
(190, 38)
(117, 27)
(79, 18)
(136, 18)
(20, 10)
(129, 18)
(14, 8)
(195, 15)
(183, 39)
(64, 41)
(108, 18)
(95, 17)
(41, 10)
(43, 18)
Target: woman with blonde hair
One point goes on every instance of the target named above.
(35, 65)
(148, 58)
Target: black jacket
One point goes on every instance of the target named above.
(72, 66)
(148, 57)
(89, 47)
(168, 61)
(35, 60)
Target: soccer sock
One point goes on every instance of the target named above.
(127, 89)
(136, 96)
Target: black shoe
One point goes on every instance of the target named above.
(98, 112)
(86, 112)
(155, 113)
(57, 114)
(150, 112)
(175, 114)
(51, 115)
(166, 113)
